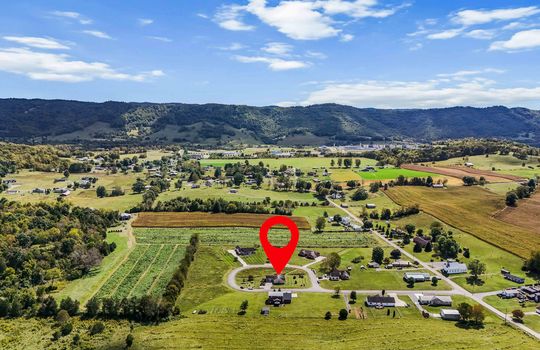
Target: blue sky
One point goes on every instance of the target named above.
(366, 53)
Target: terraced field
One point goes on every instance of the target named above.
(249, 237)
(198, 219)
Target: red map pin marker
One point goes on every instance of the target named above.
(279, 257)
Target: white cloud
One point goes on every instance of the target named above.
(278, 49)
(316, 54)
(41, 43)
(482, 34)
(203, 15)
(159, 38)
(72, 15)
(145, 21)
(275, 64)
(465, 73)
(346, 38)
(233, 47)
(60, 67)
(475, 17)
(230, 17)
(447, 34)
(97, 34)
(475, 91)
(302, 19)
(526, 39)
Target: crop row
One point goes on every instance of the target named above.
(138, 269)
(167, 271)
(118, 276)
(242, 236)
(161, 261)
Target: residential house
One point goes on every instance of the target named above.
(39, 190)
(421, 240)
(450, 314)
(453, 267)
(371, 206)
(373, 265)
(380, 301)
(275, 279)
(265, 311)
(309, 254)
(435, 300)
(125, 216)
(416, 276)
(336, 275)
(401, 263)
(279, 298)
(244, 251)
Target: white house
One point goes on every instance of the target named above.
(435, 300)
(416, 276)
(452, 268)
(380, 301)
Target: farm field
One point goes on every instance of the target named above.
(147, 271)
(198, 219)
(391, 174)
(230, 237)
(526, 214)
(503, 164)
(456, 172)
(471, 210)
(293, 278)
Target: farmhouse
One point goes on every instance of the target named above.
(275, 279)
(279, 298)
(452, 268)
(469, 164)
(371, 206)
(244, 251)
(380, 301)
(373, 265)
(437, 185)
(309, 254)
(336, 275)
(421, 240)
(435, 300)
(416, 276)
(125, 216)
(450, 314)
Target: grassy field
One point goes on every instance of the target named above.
(230, 237)
(391, 174)
(198, 219)
(470, 209)
(304, 164)
(28, 180)
(244, 194)
(206, 277)
(525, 215)
(312, 213)
(508, 305)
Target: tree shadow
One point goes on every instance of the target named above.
(469, 325)
(474, 281)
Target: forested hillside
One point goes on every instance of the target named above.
(71, 121)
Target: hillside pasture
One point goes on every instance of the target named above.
(199, 219)
(457, 172)
(391, 174)
(471, 210)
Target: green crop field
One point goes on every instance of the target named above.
(392, 173)
(250, 237)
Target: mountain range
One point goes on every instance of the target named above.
(63, 121)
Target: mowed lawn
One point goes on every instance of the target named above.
(470, 209)
(392, 173)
